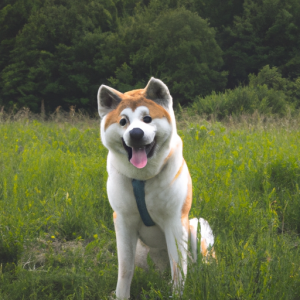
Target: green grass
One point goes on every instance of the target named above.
(57, 238)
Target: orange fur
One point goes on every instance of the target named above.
(171, 153)
(179, 171)
(114, 215)
(134, 99)
(185, 222)
(175, 277)
(187, 205)
(204, 247)
(213, 253)
(205, 252)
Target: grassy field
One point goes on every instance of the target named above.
(57, 239)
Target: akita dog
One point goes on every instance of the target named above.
(149, 185)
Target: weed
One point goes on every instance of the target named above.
(57, 239)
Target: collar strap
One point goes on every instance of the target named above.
(139, 193)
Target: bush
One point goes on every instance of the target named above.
(270, 77)
(273, 79)
(242, 100)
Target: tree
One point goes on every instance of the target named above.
(54, 55)
(14, 14)
(267, 33)
(220, 14)
(174, 45)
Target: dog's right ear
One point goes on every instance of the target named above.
(108, 99)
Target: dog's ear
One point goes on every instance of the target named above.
(157, 91)
(108, 99)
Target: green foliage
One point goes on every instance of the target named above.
(59, 51)
(266, 33)
(123, 81)
(56, 55)
(246, 182)
(250, 269)
(56, 235)
(241, 100)
(269, 76)
(219, 13)
(39, 195)
(273, 79)
(13, 16)
(189, 62)
(68, 48)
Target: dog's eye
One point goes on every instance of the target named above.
(147, 119)
(123, 122)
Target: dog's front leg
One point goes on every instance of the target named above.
(126, 234)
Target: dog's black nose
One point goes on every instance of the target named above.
(136, 133)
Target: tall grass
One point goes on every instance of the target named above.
(57, 238)
(246, 183)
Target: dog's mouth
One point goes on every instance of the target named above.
(138, 156)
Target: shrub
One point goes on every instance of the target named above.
(242, 100)
(273, 79)
(269, 76)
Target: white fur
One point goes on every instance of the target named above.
(164, 194)
(206, 236)
(206, 233)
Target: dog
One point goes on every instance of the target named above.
(149, 185)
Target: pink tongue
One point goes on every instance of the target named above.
(139, 158)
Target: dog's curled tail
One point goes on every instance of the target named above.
(207, 239)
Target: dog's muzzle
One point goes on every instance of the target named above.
(138, 154)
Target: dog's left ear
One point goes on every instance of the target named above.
(108, 99)
(158, 92)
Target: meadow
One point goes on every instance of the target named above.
(57, 238)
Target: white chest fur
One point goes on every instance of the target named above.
(164, 194)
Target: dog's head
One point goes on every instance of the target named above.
(136, 124)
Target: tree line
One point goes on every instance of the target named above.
(59, 51)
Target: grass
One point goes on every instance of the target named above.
(57, 238)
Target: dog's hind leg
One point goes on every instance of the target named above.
(159, 256)
(141, 254)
